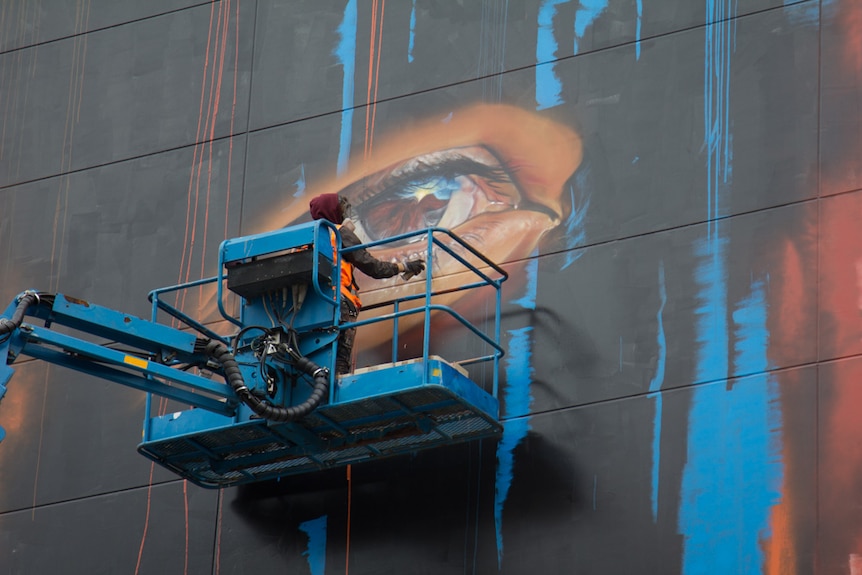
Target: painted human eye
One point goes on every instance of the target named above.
(443, 190)
(436, 201)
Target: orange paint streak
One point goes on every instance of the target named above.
(373, 37)
(232, 119)
(186, 516)
(376, 78)
(146, 520)
(840, 424)
(188, 242)
(207, 88)
(780, 549)
(41, 436)
(73, 102)
(788, 335)
(849, 18)
(349, 507)
(225, 8)
(218, 532)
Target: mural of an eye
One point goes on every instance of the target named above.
(495, 175)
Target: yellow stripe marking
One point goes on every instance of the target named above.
(135, 361)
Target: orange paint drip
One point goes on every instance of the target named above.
(41, 435)
(146, 520)
(188, 236)
(222, 41)
(218, 532)
(840, 425)
(232, 121)
(349, 506)
(376, 78)
(373, 37)
(780, 550)
(186, 515)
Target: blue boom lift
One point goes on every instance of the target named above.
(264, 402)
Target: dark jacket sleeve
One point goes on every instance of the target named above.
(367, 264)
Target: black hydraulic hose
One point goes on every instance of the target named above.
(7, 326)
(263, 408)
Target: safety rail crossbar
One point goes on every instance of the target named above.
(432, 242)
(318, 236)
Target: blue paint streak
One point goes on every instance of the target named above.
(316, 551)
(548, 85)
(640, 9)
(575, 222)
(531, 274)
(517, 400)
(733, 473)
(412, 33)
(621, 354)
(346, 54)
(805, 12)
(516, 423)
(720, 40)
(655, 391)
(588, 12)
(711, 311)
(300, 182)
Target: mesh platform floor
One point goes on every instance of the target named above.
(405, 419)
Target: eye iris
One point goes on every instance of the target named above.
(418, 205)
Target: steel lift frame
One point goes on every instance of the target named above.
(266, 420)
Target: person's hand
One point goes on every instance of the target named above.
(413, 268)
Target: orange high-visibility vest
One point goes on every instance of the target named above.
(349, 289)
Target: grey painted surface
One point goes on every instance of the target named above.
(118, 175)
(124, 92)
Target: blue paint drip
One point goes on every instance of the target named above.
(412, 33)
(655, 391)
(804, 12)
(346, 54)
(531, 274)
(300, 182)
(548, 85)
(585, 15)
(720, 41)
(731, 476)
(516, 423)
(621, 354)
(640, 9)
(316, 551)
(711, 311)
(574, 224)
(828, 7)
(733, 472)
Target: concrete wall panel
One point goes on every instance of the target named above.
(159, 530)
(123, 92)
(29, 23)
(113, 234)
(680, 319)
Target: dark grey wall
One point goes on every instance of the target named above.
(680, 389)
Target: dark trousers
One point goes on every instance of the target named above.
(346, 337)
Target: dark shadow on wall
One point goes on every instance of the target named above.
(408, 508)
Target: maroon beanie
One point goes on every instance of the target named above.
(325, 207)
